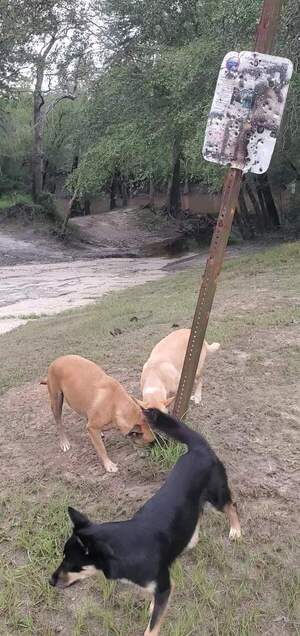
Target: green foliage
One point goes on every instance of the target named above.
(15, 143)
(156, 91)
(124, 151)
(63, 134)
(145, 105)
(14, 198)
(46, 201)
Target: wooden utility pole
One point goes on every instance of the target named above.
(265, 36)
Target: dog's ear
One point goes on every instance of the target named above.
(90, 542)
(80, 537)
(169, 400)
(139, 402)
(78, 519)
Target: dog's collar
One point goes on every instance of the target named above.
(86, 550)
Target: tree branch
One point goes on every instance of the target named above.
(42, 102)
(43, 54)
(56, 101)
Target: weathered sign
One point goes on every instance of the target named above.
(247, 110)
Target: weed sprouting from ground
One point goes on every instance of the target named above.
(165, 452)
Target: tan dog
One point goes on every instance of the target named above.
(161, 373)
(100, 398)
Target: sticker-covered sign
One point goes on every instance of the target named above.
(247, 110)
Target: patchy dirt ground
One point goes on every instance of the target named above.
(250, 414)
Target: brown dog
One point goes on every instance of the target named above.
(161, 373)
(100, 398)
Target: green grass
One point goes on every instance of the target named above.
(221, 588)
(281, 256)
(14, 198)
(36, 533)
(165, 453)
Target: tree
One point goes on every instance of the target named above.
(64, 25)
(54, 44)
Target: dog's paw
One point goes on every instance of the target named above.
(110, 467)
(65, 445)
(151, 608)
(196, 399)
(234, 534)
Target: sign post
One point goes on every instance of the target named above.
(266, 32)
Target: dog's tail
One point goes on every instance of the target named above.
(173, 428)
(213, 347)
(44, 381)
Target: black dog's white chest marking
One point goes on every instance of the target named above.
(149, 587)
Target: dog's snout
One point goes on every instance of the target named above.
(53, 580)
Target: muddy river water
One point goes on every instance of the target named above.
(35, 289)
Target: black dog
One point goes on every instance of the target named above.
(142, 549)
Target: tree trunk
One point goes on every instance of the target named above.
(186, 196)
(37, 150)
(75, 162)
(45, 170)
(269, 200)
(241, 224)
(86, 205)
(151, 193)
(124, 191)
(173, 199)
(68, 214)
(38, 123)
(256, 207)
(113, 187)
(262, 203)
(169, 194)
(242, 218)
